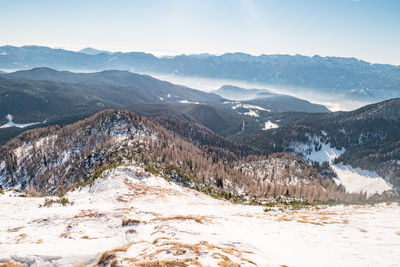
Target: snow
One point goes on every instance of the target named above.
(188, 102)
(176, 223)
(354, 179)
(252, 113)
(3, 53)
(18, 125)
(10, 123)
(326, 153)
(270, 125)
(248, 107)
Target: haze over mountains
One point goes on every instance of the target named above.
(349, 77)
(50, 96)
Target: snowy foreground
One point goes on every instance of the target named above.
(131, 218)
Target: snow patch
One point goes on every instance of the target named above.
(310, 152)
(10, 123)
(188, 102)
(252, 113)
(270, 125)
(248, 107)
(356, 180)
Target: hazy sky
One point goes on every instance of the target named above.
(365, 29)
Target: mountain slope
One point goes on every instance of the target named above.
(143, 86)
(57, 159)
(368, 138)
(50, 96)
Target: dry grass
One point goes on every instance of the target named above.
(316, 217)
(65, 235)
(169, 263)
(130, 222)
(21, 237)
(198, 219)
(283, 219)
(130, 231)
(155, 241)
(362, 230)
(226, 262)
(89, 214)
(16, 229)
(176, 250)
(11, 264)
(39, 220)
(106, 258)
(398, 233)
(121, 199)
(310, 222)
(39, 241)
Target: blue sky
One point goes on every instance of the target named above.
(365, 29)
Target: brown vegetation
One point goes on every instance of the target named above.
(11, 264)
(130, 222)
(198, 219)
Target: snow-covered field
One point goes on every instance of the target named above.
(132, 218)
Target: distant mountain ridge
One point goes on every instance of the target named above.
(268, 100)
(237, 93)
(348, 76)
(93, 51)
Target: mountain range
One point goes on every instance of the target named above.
(349, 77)
(50, 96)
(246, 129)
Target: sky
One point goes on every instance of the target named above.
(364, 29)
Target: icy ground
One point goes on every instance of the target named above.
(131, 218)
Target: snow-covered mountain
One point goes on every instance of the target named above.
(56, 159)
(359, 144)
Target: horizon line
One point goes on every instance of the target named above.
(160, 54)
